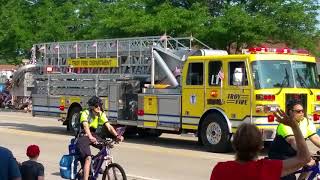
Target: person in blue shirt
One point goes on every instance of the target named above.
(9, 168)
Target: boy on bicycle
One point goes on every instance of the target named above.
(90, 120)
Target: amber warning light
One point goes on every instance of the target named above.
(214, 93)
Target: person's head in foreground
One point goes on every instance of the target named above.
(247, 142)
(33, 151)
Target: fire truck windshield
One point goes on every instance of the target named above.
(278, 74)
(305, 74)
(272, 74)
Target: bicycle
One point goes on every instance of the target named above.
(315, 169)
(112, 171)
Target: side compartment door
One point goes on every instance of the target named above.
(193, 94)
(113, 100)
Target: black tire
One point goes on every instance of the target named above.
(74, 120)
(151, 133)
(142, 132)
(215, 134)
(130, 132)
(114, 167)
(156, 133)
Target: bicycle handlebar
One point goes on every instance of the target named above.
(107, 142)
(316, 157)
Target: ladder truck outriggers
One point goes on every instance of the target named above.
(165, 84)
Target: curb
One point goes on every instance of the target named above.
(10, 110)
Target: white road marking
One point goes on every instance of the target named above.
(140, 177)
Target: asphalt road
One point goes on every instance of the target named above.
(170, 157)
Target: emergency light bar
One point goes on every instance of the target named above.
(260, 50)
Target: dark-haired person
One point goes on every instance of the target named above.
(31, 169)
(284, 145)
(90, 120)
(247, 142)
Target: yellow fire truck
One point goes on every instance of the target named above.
(155, 85)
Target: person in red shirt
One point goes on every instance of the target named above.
(247, 142)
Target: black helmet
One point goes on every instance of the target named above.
(94, 101)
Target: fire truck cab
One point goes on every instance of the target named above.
(221, 92)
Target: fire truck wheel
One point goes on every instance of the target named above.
(215, 134)
(74, 120)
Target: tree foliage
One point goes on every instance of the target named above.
(223, 24)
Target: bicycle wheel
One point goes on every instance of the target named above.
(114, 172)
(79, 171)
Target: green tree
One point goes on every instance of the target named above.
(223, 24)
(295, 20)
(12, 34)
(241, 23)
(138, 18)
(24, 23)
(236, 29)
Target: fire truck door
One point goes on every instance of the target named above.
(215, 81)
(237, 92)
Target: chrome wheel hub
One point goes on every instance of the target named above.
(74, 119)
(214, 133)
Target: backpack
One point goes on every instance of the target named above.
(68, 166)
(68, 163)
(73, 150)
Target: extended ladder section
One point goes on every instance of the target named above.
(73, 64)
(134, 55)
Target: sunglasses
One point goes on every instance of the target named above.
(97, 105)
(298, 110)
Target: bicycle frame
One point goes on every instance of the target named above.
(98, 160)
(315, 170)
(103, 155)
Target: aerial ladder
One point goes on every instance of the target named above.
(69, 73)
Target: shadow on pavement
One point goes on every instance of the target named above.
(176, 141)
(166, 142)
(169, 142)
(56, 174)
(35, 128)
